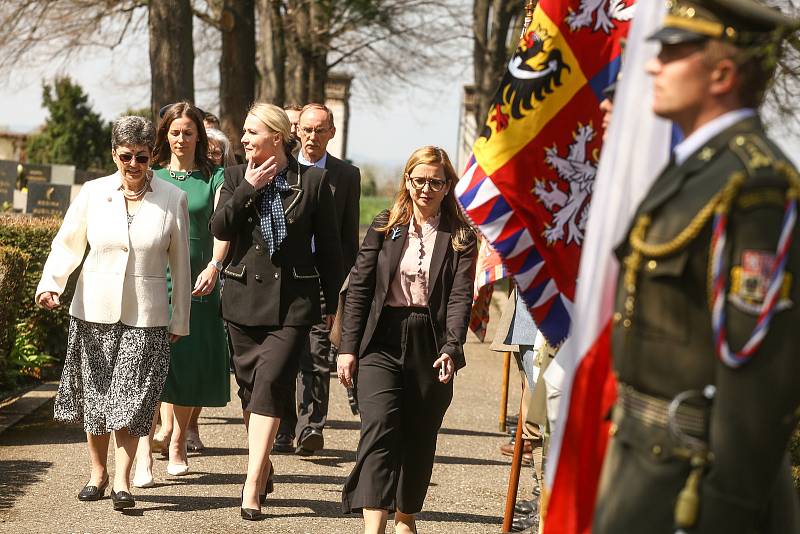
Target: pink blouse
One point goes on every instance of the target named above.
(410, 285)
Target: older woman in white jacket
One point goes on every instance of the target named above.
(120, 325)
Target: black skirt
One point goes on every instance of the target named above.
(265, 363)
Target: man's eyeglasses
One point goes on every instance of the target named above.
(126, 157)
(434, 184)
(319, 131)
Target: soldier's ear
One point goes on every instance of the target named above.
(724, 77)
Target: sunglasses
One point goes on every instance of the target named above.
(126, 157)
(434, 184)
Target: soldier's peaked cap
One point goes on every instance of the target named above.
(741, 22)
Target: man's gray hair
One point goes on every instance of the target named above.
(133, 130)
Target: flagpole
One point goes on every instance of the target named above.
(516, 459)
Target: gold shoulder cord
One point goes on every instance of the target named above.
(640, 248)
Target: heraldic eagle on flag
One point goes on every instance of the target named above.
(529, 183)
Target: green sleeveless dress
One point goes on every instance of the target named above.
(199, 363)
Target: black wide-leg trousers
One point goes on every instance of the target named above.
(402, 404)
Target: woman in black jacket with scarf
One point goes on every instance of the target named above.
(404, 326)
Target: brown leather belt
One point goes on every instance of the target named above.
(655, 411)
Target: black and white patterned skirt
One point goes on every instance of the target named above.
(113, 376)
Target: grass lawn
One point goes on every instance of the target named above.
(371, 206)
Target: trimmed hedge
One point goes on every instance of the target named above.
(47, 329)
(13, 263)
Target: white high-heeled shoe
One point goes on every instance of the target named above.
(177, 470)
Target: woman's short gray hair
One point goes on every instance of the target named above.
(132, 130)
(218, 136)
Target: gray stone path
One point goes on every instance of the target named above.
(43, 465)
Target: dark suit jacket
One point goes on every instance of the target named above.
(449, 303)
(283, 289)
(345, 182)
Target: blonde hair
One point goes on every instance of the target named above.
(276, 120)
(403, 207)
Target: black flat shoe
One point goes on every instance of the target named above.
(121, 500)
(250, 514)
(525, 507)
(283, 444)
(270, 485)
(311, 441)
(93, 493)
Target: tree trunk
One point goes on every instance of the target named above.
(298, 38)
(272, 53)
(493, 43)
(171, 53)
(237, 67)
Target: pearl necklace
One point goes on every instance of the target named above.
(136, 194)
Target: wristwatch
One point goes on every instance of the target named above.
(216, 264)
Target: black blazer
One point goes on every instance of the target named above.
(282, 290)
(345, 182)
(450, 300)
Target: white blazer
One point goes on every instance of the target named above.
(124, 275)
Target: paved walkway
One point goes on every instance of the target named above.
(43, 465)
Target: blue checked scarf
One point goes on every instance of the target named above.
(273, 221)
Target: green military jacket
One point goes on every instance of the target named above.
(663, 344)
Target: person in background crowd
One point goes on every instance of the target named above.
(219, 148)
(316, 130)
(198, 374)
(270, 210)
(293, 112)
(210, 121)
(403, 330)
(704, 337)
(121, 325)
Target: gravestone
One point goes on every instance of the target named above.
(48, 200)
(36, 173)
(8, 181)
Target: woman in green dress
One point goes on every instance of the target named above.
(199, 363)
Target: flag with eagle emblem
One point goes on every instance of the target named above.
(530, 180)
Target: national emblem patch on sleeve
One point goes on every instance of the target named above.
(750, 282)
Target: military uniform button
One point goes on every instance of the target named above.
(613, 429)
(626, 323)
(257, 277)
(617, 317)
(651, 265)
(276, 275)
(657, 450)
(739, 140)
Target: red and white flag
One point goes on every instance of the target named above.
(636, 149)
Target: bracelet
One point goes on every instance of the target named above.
(216, 264)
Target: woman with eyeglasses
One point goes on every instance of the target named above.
(199, 366)
(220, 151)
(404, 325)
(270, 209)
(121, 324)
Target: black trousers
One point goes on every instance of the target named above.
(402, 404)
(313, 385)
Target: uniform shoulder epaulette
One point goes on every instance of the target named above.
(754, 153)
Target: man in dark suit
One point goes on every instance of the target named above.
(705, 337)
(315, 130)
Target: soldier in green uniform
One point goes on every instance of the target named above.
(706, 338)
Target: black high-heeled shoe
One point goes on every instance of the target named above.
(250, 514)
(121, 500)
(270, 485)
(93, 493)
